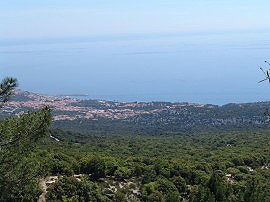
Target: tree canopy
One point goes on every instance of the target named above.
(18, 135)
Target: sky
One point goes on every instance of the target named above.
(69, 18)
(203, 51)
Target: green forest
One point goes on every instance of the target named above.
(38, 163)
(203, 167)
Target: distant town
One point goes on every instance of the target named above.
(100, 115)
(67, 108)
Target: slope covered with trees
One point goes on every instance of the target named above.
(204, 167)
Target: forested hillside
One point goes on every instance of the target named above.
(202, 167)
(133, 151)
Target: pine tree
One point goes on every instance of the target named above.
(18, 135)
(7, 87)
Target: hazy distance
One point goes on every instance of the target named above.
(203, 52)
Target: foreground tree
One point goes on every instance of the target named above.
(18, 135)
(7, 87)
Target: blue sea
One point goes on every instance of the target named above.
(215, 68)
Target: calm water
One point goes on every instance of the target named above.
(201, 68)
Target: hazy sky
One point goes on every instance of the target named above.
(57, 18)
(138, 50)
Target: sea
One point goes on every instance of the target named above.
(208, 68)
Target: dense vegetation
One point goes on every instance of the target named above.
(203, 167)
(19, 171)
(163, 164)
(170, 119)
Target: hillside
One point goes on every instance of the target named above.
(144, 159)
(107, 117)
